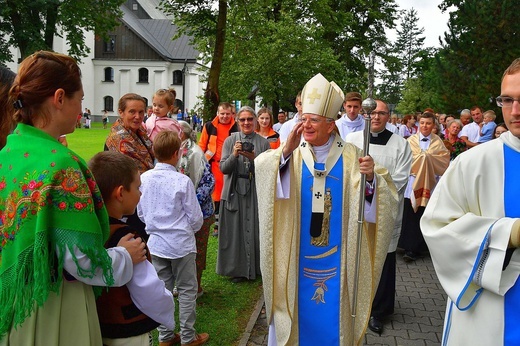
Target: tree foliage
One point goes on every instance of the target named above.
(482, 41)
(274, 46)
(31, 25)
(403, 59)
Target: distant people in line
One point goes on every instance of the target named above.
(282, 118)
(471, 132)
(145, 294)
(430, 160)
(264, 127)
(7, 122)
(287, 127)
(172, 214)
(351, 121)
(472, 228)
(238, 242)
(452, 141)
(162, 103)
(54, 223)
(211, 141)
(487, 127)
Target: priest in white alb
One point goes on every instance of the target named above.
(309, 199)
(393, 152)
(472, 228)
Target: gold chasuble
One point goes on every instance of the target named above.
(281, 239)
(426, 166)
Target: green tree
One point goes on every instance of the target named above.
(275, 46)
(416, 97)
(404, 58)
(481, 43)
(409, 44)
(31, 25)
(268, 49)
(206, 23)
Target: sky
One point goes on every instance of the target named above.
(431, 19)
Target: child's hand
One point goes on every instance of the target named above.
(134, 246)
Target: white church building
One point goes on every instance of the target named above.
(140, 57)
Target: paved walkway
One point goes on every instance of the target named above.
(418, 317)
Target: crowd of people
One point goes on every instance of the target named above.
(305, 204)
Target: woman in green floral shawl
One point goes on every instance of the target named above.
(53, 223)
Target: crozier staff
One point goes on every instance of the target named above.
(308, 193)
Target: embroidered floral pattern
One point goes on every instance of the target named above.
(65, 190)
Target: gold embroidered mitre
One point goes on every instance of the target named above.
(321, 97)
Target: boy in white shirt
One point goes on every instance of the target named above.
(127, 314)
(172, 215)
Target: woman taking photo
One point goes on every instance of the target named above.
(53, 223)
(238, 243)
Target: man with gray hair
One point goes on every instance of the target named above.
(309, 199)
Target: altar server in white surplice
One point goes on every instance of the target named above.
(351, 121)
(472, 229)
(393, 152)
(308, 194)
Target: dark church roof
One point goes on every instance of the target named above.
(158, 33)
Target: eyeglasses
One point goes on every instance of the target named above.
(242, 120)
(380, 114)
(313, 120)
(506, 101)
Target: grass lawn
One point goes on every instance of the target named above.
(225, 308)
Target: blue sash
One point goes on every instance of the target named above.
(319, 274)
(511, 206)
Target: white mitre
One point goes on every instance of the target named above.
(321, 97)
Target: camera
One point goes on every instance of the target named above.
(248, 146)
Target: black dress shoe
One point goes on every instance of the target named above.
(410, 256)
(375, 325)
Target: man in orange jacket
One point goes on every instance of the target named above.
(212, 139)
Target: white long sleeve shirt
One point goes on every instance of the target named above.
(170, 210)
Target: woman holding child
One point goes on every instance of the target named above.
(53, 223)
(128, 135)
(238, 248)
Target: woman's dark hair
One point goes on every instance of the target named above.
(39, 76)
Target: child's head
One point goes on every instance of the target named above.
(118, 178)
(163, 101)
(489, 116)
(165, 145)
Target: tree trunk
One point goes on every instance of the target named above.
(211, 95)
